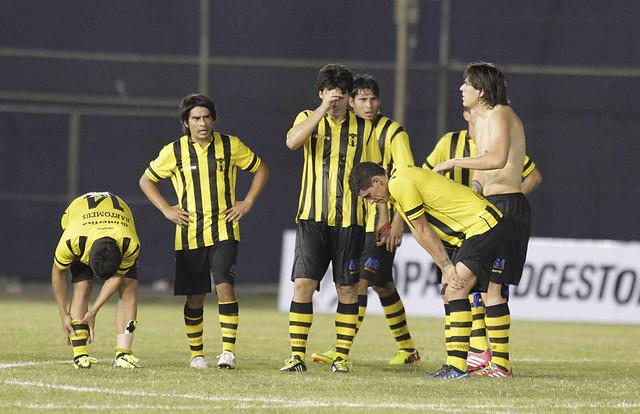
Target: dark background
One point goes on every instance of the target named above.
(572, 69)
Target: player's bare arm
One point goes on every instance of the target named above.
(531, 181)
(240, 208)
(394, 239)
(301, 132)
(174, 214)
(430, 241)
(59, 286)
(495, 153)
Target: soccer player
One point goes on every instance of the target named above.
(202, 165)
(457, 145)
(501, 146)
(330, 217)
(378, 255)
(99, 239)
(441, 213)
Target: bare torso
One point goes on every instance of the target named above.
(501, 123)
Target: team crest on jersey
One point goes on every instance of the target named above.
(353, 140)
(221, 164)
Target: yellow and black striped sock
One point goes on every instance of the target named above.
(79, 339)
(194, 324)
(300, 319)
(460, 330)
(122, 351)
(397, 321)
(478, 342)
(228, 315)
(362, 310)
(498, 326)
(447, 332)
(346, 321)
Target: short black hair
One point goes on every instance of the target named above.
(105, 257)
(335, 76)
(361, 175)
(191, 101)
(487, 78)
(366, 81)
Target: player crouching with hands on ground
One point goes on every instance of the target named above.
(99, 238)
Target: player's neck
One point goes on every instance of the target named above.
(202, 142)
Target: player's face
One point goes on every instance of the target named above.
(377, 193)
(339, 106)
(470, 95)
(200, 123)
(365, 104)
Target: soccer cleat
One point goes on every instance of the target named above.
(227, 360)
(326, 358)
(84, 362)
(478, 361)
(126, 361)
(406, 357)
(294, 364)
(492, 370)
(199, 362)
(340, 366)
(437, 373)
(450, 372)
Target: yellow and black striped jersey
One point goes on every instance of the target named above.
(393, 142)
(459, 145)
(455, 212)
(91, 217)
(205, 184)
(329, 155)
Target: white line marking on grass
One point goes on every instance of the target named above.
(29, 363)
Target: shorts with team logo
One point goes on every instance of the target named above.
(195, 268)
(507, 268)
(376, 262)
(81, 272)
(317, 244)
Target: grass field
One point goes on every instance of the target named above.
(558, 367)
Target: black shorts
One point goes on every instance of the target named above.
(507, 268)
(195, 268)
(377, 262)
(478, 253)
(81, 272)
(317, 244)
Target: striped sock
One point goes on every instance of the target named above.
(194, 324)
(498, 327)
(397, 321)
(228, 315)
(346, 321)
(79, 339)
(478, 342)
(362, 310)
(447, 332)
(460, 331)
(300, 318)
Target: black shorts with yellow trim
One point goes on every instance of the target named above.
(197, 267)
(81, 272)
(318, 244)
(376, 262)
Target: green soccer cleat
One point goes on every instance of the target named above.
(84, 362)
(294, 364)
(326, 358)
(341, 366)
(406, 357)
(126, 361)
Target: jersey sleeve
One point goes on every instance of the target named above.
(401, 149)
(64, 256)
(407, 198)
(301, 117)
(244, 158)
(529, 166)
(162, 167)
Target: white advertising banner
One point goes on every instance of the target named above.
(563, 280)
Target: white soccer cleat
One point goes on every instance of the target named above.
(227, 360)
(199, 362)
